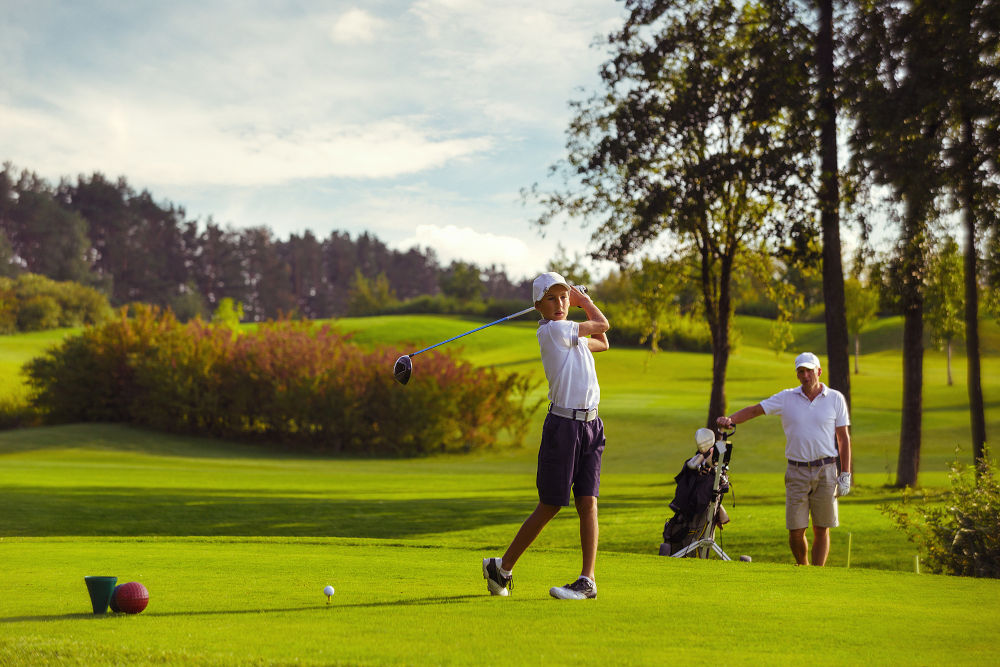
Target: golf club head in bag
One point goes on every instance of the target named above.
(402, 369)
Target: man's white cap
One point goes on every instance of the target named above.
(544, 283)
(807, 360)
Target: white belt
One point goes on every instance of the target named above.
(570, 413)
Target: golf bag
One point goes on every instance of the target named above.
(697, 506)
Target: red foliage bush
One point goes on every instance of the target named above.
(306, 386)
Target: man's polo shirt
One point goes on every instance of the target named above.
(810, 426)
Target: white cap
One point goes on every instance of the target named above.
(704, 438)
(544, 283)
(807, 360)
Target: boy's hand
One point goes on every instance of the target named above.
(577, 298)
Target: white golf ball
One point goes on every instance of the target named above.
(328, 591)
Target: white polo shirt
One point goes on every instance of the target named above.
(810, 426)
(569, 365)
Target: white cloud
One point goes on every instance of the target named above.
(451, 242)
(355, 26)
(176, 145)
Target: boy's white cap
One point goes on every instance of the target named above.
(544, 283)
(807, 360)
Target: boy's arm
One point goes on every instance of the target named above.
(596, 322)
(598, 343)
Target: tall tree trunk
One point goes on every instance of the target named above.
(977, 413)
(717, 300)
(838, 362)
(908, 465)
(950, 383)
(857, 351)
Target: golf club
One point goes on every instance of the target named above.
(403, 367)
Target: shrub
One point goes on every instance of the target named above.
(16, 412)
(37, 313)
(960, 535)
(34, 303)
(291, 382)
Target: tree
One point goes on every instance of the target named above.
(228, 314)
(897, 139)
(693, 141)
(266, 277)
(861, 303)
(43, 237)
(969, 83)
(944, 296)
(654, 284)
(462, 281)
(572, 269)
(369, 297)
(829, 205)
(8, 263)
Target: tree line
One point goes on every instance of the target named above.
(719, 129)
(104, 234)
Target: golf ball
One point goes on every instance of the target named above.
(328, 591)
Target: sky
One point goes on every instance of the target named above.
(417, 121)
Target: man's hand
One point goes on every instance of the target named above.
(844, 484)
(725, 422)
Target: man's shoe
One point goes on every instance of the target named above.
(581, 589)
(496, 582)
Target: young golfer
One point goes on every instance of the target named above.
(569, 457)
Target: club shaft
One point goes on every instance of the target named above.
(502, 319)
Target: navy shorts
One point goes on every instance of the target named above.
(569, 459)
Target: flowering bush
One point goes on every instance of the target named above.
(293, 382)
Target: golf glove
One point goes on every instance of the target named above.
(844, 484)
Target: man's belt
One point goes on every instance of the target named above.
(570, 413)
(814, 464)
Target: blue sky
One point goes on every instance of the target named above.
(417, 121)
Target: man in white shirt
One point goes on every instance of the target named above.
(817, 437)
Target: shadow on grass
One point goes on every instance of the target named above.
(102, 436)
(125, 511)
(405, 602)
(42, 512)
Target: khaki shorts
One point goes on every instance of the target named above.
(811, 491)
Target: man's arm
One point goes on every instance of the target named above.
(844, 447)
(741, 416)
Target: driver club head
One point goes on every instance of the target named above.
(402, 369)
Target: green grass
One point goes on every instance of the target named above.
(235, 542)
(247, 601)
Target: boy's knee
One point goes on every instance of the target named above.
(586, 504)
(547, 510)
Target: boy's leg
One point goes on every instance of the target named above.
(586, 507)
(529, 530)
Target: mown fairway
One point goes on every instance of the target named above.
(235, 543)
